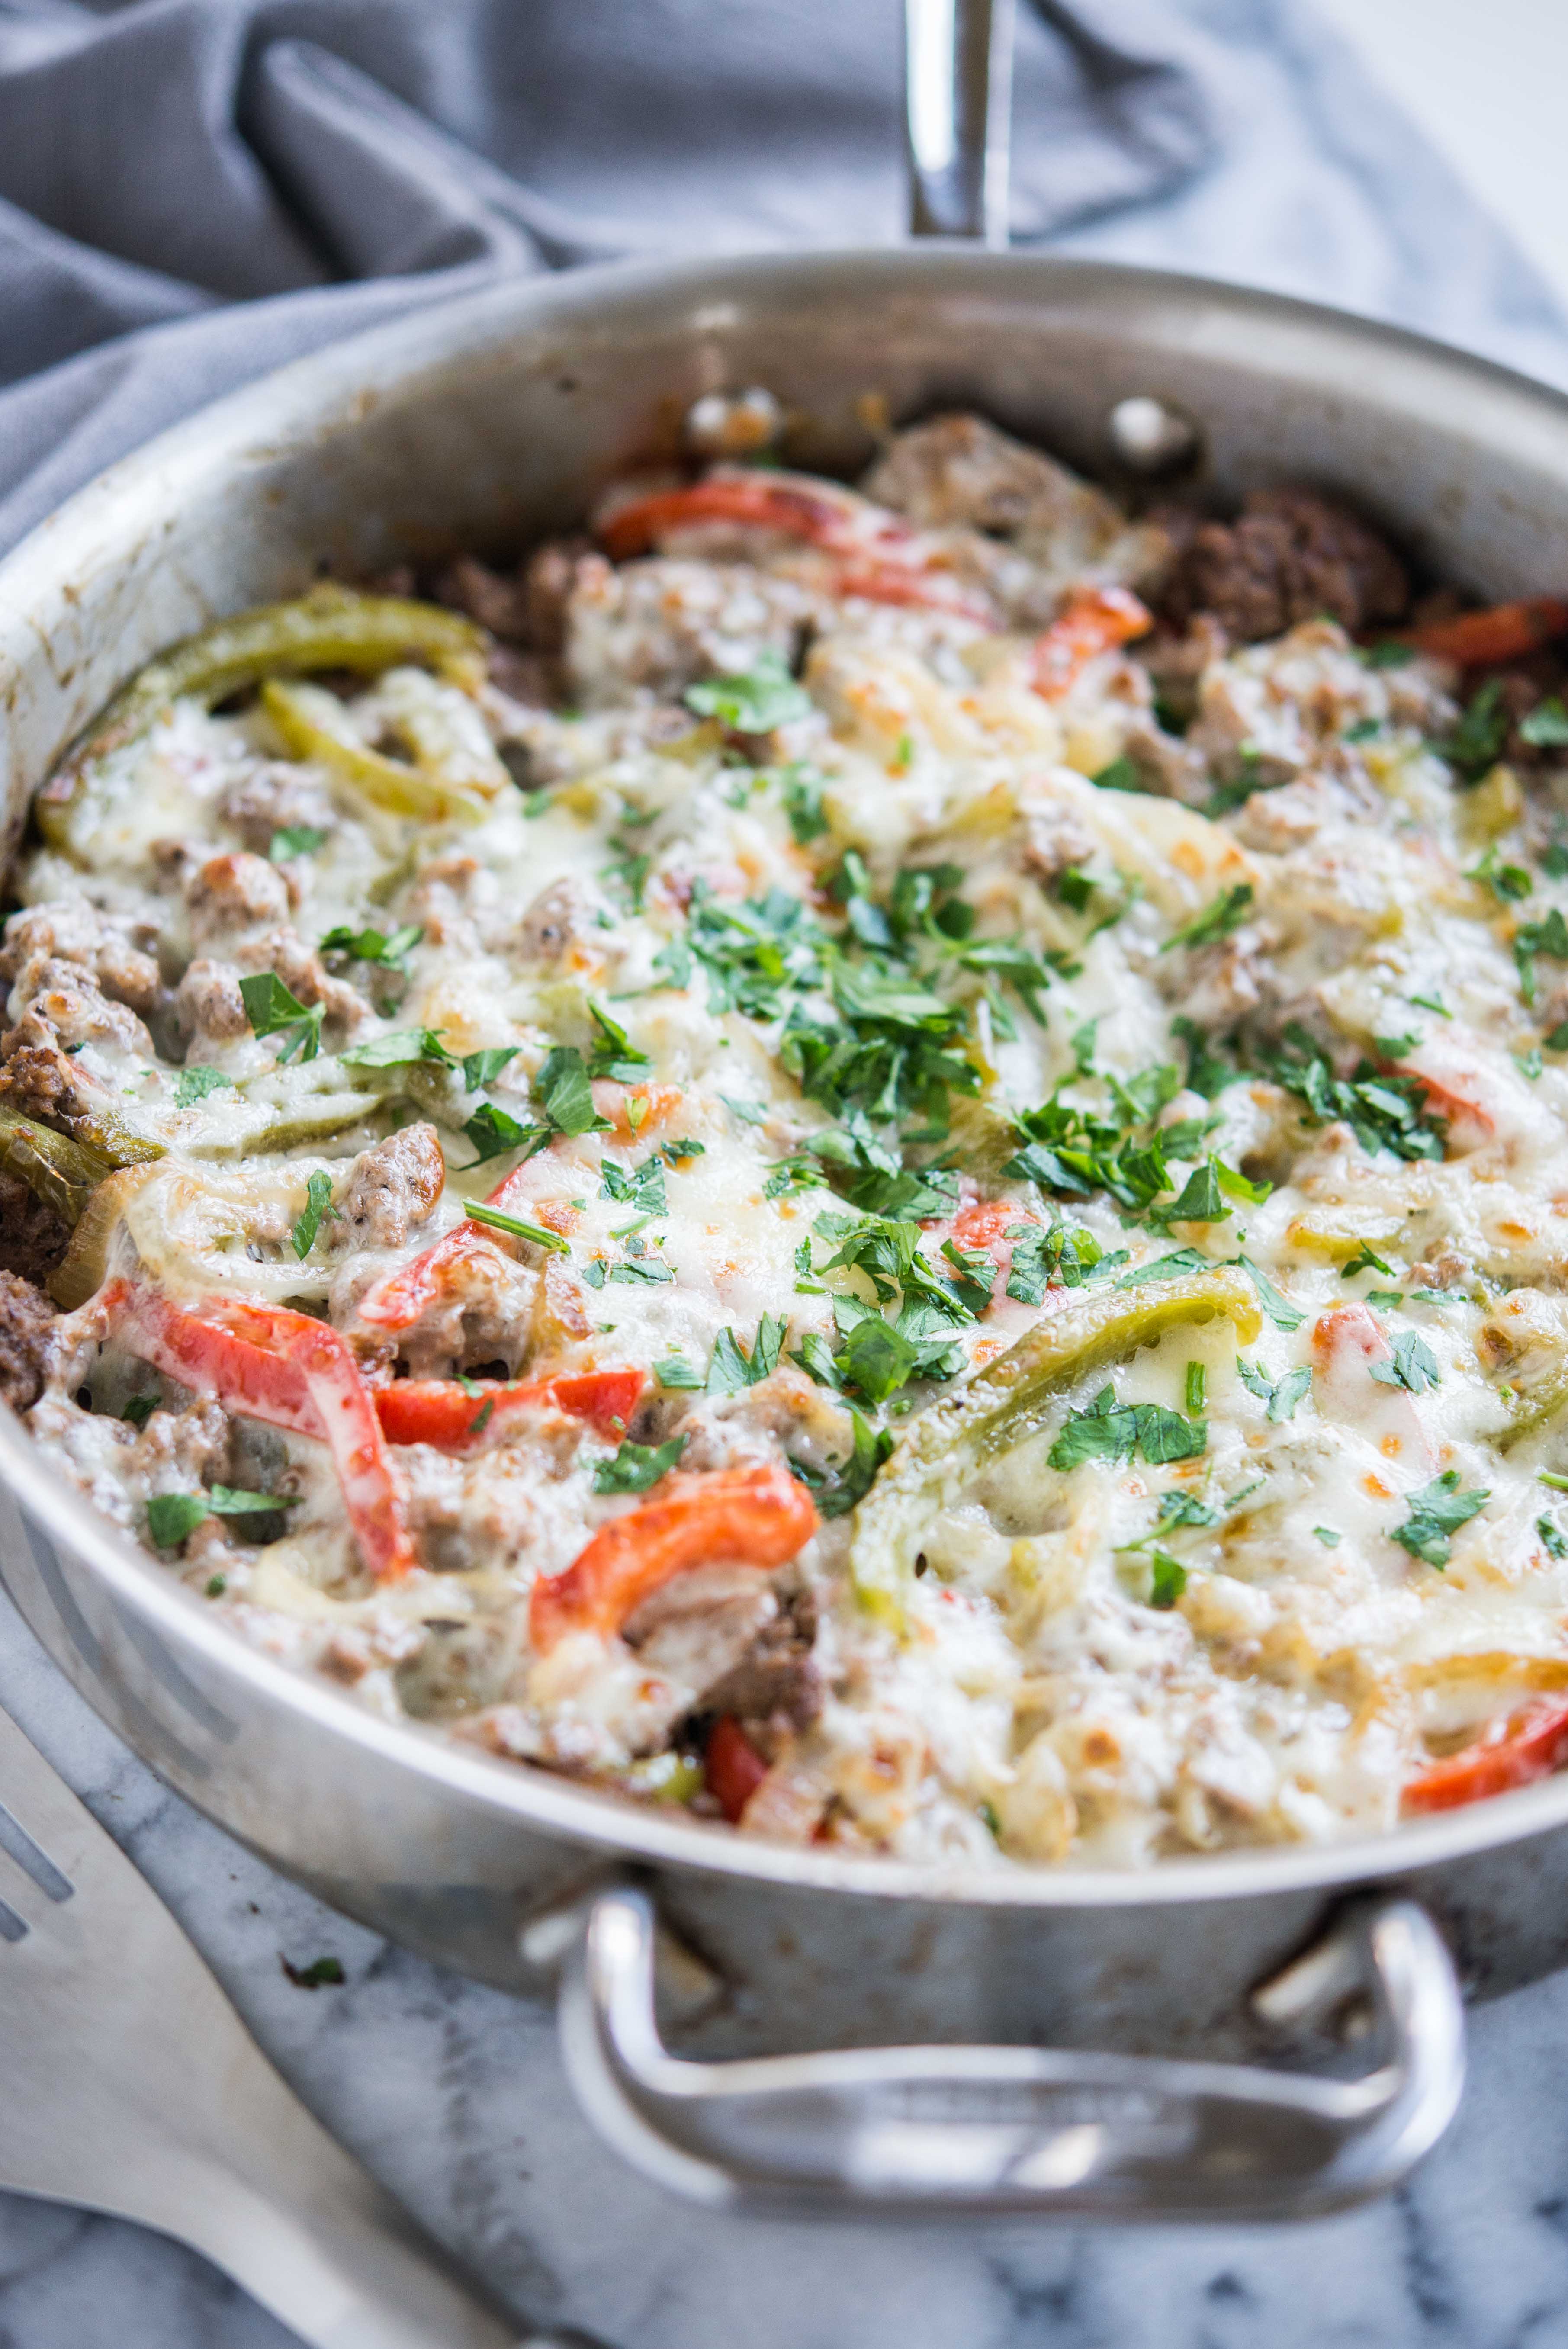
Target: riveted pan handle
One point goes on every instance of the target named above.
(959, 98)
(1025, 2131)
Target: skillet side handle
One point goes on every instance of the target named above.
(958, 111)
(1026, 2132)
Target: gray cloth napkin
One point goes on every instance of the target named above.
(192, 191)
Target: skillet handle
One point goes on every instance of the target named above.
(958, 107)
(1026, 2131)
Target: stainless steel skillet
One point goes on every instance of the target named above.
(498, 417)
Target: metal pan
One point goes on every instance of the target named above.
(480, 425)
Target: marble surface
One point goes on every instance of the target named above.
(454, 2097)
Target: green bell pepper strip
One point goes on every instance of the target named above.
(63, 1174)
(314, 726)
(331, 627)
(1011, 1399)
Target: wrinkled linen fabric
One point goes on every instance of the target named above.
(192, 191)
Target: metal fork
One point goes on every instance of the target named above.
(133, 2087)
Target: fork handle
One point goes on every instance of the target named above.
(310, 2235)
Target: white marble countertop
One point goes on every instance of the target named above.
(454, 2097)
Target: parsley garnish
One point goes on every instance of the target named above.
(374, 945)
(1280, 1395)
(296, 840)
(1108, 1430)
(272, 1009)
(318, 1203)
(755, 701)
(731, 1369)
(635, 1467)
(1550, 1532)
(494, 1132)
(1043, 1250)
(1437, 1511)
(482, 1067)
(1507, 882)
(1545, 726)
(675, 1371)
(170, 1516)
(803, 794)
(1414, 1365)
(565, 1094)
(1548, 937)
(481, 1212)
(139, 1409)
(845, 1483)
(1384, 1112)
(1216, 921)
(397, 1049)
(1476, 743)
(641, 1189)
(197, 1082)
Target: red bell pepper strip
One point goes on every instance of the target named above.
(399, 1301)
(447, 1414)
(1505, 632)
(732, 1766)
(292, 1372)
(748, 1517)
(1095, 621)
(884, 560)
(1530, 1745)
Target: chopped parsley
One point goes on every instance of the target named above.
(1384, 1112)
(1280, 1395)
(273, 1010)
(614, 1055)
(139, 1409)
(635, 1467)
(1476, 743)
(390, 950)
(1437, 1512)
(1108, 1430)
(1545, 726)
(397, 1048)
(296, 840)
(481, 1212)
(482, 1067)
(494, 1131)
(564, 1092)
(675, 1372)
(1414, 1365)
(197, 1081)
(1548, 937)
(1552, 1534)
(1328, 1536)
(802, 796)
(844, 1483)
(754, 701)
(1216, 921)
(170, 1516)
(318, 1204)
(643, 1187)
(1167, 1578)
(1044, 1252)
(1508, 882)
(731, 1369)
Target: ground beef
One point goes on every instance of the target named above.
(232, 894)
(69, 930)
(742, 1644)
(391, 1188)
(269, 800)
(496, 602)
(26, 1317)
(61, 1003)
(40, 1081)
(208, 1004)
(560, 917)
(33, 1239)
(1291, 556)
